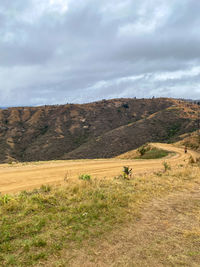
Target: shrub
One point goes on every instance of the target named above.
(143, 149)
(85, 177)
(191, 160)
(5, 199)
(127, 172)
(166, 166)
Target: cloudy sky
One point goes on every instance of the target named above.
(76, 51)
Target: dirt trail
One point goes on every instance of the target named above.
(18, 177)
(155, 240)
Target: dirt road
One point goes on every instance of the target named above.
(25, 176)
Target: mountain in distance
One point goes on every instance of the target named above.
(100, 129)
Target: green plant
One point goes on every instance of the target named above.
(45, 188)
(153, 153)
(166, 166)
(173, 130)
(127, 172)
(5, 199)
(85, 177)
(143, 149)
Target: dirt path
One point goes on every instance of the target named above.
(167, 234)
(18, 177)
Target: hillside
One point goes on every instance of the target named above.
(163, 126)
(95, 130)
(191, 140)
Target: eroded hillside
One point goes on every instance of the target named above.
(99, 129)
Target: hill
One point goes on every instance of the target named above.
(94, 130)
(163, 126)
(191, 140)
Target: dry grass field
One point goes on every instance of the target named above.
(152, 219)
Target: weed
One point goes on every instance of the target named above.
(158, 174)
(66, 177)
(127, 172)
(166, 166)
(191, 160)
(5, 199)
(85, 177)
(143, 149)
(45, 188)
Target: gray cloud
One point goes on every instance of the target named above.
(58, 51)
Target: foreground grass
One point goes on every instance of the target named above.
(38, 226)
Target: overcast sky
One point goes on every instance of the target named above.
(76, 51)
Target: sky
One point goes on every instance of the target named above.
(78, 51)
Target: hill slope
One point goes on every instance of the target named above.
(99, 129)
(163, 126)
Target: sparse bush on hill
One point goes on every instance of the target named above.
(143, 149)
(192, 141)
(73, 131)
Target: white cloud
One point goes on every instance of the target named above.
(56, 51)
(150, 17)
(191, 72)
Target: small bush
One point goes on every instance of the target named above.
(143, 149)
(166, 166)
(85, 177)
(5, 199)
(127, 172)
(191, 160)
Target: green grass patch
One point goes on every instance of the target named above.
(35, 225)
(154, 153)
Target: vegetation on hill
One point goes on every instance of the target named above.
(95, 130)
(163, 126)
(191, 140)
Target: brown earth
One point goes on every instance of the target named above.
(97, 130)
(167, 234)
(190, 140)
(165, 125)
(24, 176)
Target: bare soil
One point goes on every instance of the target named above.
(167, 234)
(21, 176)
